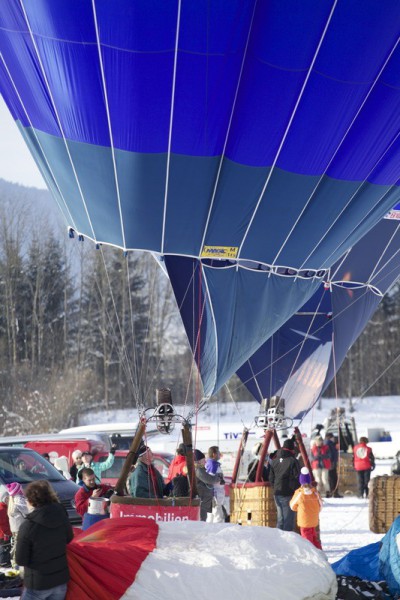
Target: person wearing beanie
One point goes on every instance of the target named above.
(284, 477)
(307, 502)
(17, 510)
(146, 481)
(205, 484)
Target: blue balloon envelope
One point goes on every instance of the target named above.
(301, 359)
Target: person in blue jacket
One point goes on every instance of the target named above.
(146, 481)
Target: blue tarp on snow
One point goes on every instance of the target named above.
(375, 562)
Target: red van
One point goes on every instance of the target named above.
(65, 447)
(162, 461)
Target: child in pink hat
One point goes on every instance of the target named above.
(17, 509)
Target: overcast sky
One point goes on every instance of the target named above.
(16, 162)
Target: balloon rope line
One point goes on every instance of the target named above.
(271, 359)
(146, 355)
(123, 359)
(333, 157)
(375, 272)
(332, 274)
(110, 132)
(313, 333)
(132, 321)
(190, 284)
(286, 132)
(302, 344)
(256, 380)
(123, 350)
(43, 172)
(171, 120)
(358, 190)
(43, 73)
(341, 312)
(218, 174)
(339, 462)
(201, 305)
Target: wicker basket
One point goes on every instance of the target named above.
(252, 504)
(384, 502)
(348, 481)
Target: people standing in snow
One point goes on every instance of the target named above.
(307, 502)
(88, 489)
(205, 484)
(97, 467)
(146, 481)
(284, 477)
(17, 510)
(320, 464)
(252, 467)
(42, 543)
(364, 463)
(77, 458)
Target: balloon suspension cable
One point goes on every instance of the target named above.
(272, 415)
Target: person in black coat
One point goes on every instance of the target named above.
(284, 477)
(42, 544)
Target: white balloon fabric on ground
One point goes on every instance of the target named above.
(218, 561)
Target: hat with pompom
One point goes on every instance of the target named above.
(305, 476)
(198, 455)
(14, 488)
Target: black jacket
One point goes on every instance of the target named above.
(42, 546)
(284, 473)
(252, 471)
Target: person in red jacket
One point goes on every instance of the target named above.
(88, 489)
(364, 463)
(178, 464)
(321, 464)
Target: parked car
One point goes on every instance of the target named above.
(23, 466)
(162, 461)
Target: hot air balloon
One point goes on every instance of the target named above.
(301, 359)
(248, 144)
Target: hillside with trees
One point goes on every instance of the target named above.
(85, 328)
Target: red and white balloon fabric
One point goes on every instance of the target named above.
(136, 559)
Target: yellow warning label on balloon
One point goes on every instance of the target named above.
(219, 252)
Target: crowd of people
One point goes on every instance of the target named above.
(34, 526)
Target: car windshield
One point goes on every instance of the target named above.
(25, 466)
(160, 463)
